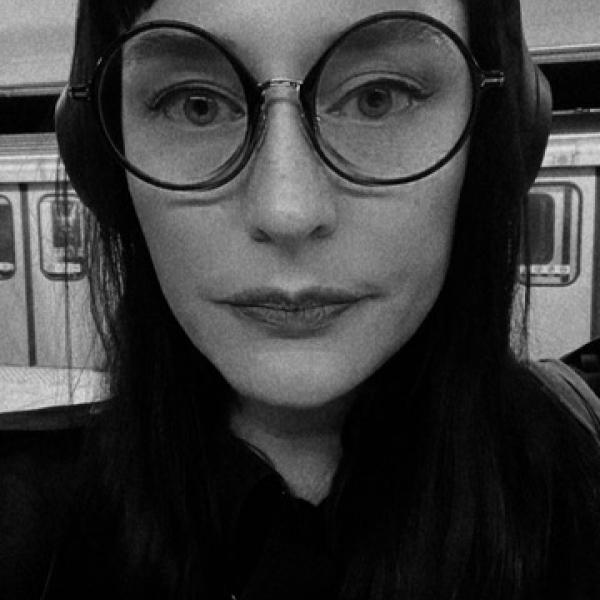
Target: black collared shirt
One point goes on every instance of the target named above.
(276, 544)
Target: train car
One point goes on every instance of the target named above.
(49, 349)
(564, 232)
(43, 277)
(564, 229)
(564, 203)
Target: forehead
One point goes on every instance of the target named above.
(285, 37)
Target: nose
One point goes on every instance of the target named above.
(289, 199)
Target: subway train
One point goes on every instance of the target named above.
(49, 351)
(564, 232)
(563, 207)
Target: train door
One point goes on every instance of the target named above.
(14, 349)
(562, 231)
(64, 334)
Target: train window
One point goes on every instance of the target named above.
(554, 232)
(570, 82)
(61, 232)
(27, 114)
(540, 221)
(7, 239)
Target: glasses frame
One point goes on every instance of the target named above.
(482, 80)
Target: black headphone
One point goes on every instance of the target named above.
(99, 180)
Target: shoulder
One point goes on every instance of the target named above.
(39, 480)
(40, 448)
(54, 418)
(550, 424)
(36, 445)
(572, 387)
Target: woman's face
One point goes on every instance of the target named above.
(289, 224)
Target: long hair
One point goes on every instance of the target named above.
(462, 477)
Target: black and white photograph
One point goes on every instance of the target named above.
(299, 300)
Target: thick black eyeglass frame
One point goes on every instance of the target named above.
(254, 91)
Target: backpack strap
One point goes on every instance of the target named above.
(586, 361)
(572, 390)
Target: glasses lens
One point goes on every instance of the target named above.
(173, 106)
(393, 99)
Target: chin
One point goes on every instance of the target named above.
(307, 382)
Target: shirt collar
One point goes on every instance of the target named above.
(241, 470)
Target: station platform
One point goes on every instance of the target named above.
(34, 388)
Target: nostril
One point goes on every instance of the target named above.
(259, 236)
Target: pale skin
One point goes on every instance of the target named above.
(288, 221)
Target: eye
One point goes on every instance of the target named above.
(377, 100)
(198, 107)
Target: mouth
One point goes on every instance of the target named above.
(294, 315)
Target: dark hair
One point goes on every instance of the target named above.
(485, 486)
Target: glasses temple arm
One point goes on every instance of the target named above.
(80, 92)
(492, 79)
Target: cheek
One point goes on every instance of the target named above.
(411, 241)
(410, 249)
(184, 250)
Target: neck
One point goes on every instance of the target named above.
(303, 444)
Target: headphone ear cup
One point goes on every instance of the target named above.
(533, 93)
(69, 124)
(80, 147)
(536, 116)
(96, 177)
(498, 42)
(67, 139)
(98, 180)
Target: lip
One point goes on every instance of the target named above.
(293, 314)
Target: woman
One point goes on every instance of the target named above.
(306, 238)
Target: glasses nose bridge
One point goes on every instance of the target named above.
(280, 89)
(282, 83)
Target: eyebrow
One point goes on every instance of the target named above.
(186, 44)
(181, 44)
(416, 31)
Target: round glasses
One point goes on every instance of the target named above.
(390, 101)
